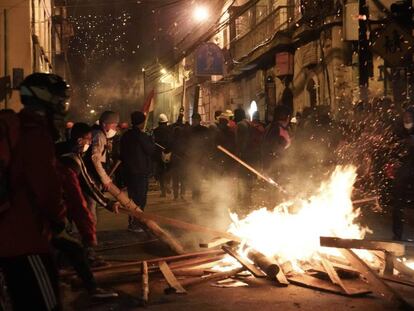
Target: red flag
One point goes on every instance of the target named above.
(149, 103)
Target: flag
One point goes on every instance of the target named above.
(149, 104)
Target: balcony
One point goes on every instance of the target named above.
(262, 32)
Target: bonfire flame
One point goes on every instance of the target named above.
(291, 231)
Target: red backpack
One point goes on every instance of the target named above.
(9, 134)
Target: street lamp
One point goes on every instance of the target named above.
(201, 14)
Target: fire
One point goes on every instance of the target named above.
(291, 231)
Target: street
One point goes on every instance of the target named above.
(260, 294)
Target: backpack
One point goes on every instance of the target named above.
(9, 135)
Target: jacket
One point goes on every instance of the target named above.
(137, 150)
(35, 192)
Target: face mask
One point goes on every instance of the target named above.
(85, 148)
(408, 126)
(111, 133)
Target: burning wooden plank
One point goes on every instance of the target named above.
(335, 279)
(170, 278)
(392, 247)
(378, 285)
(268, 266)
(215, 242)
(145, 283)
(251, 268)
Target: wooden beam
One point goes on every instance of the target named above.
(252, 268)
(170, 278)
(215, 242)
(392, 247)
(378, 286)
(389, 264)
(145, 283)
(268, 266)
(130, 208)
(335, 279)
(402, 268)
(168, 259)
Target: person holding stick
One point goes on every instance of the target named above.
(137, 150)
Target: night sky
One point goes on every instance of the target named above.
(113, 41)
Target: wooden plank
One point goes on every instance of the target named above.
(145, 283)
(280, 276)
(399, 280)
(393, 247)
(215, 242)
(402, 268)
(168, 259)
(250, 267)
(171, 279)
(389, 264)
(318, 284)
(333, 275)
(378, 286)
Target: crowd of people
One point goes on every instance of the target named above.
(49, 185)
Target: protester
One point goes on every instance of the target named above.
(403, 186)
(179, 158)
(243, 133)
(74, 174)
(198, 150)
(137, 150)
(162, 138)
(96, 158)
(34, 212)
(275, 140)
(227, 139)
(81, 185)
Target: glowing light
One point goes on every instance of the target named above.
(294, 227)
(201, 14)
(92, 111)
(252, 109)
(163, 71)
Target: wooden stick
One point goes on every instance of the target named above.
(396, 248)
(117, 164)
(133, 210)
(252, 268)
(215, 242)
(332, 274)
(378, 285)
(150, 261)
(211, 277)
(145, 283)
(265, 178)
(361, 201)
(178, 223)
(171, 279)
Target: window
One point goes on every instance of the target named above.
(262, 10)
(244, 23)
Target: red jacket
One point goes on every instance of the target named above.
(36, 195)
(76, 207)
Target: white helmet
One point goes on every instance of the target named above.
(162, 118)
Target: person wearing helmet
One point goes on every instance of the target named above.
(162, 138)
(36, 211)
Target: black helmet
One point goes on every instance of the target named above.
(46, 89)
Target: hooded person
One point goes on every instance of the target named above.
(163, 139)
(96, 158)
(403, 179)
(36, 213)
(137, 150)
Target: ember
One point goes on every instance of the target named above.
(291, 231)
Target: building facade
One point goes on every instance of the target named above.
(25, 45)
(292, 52)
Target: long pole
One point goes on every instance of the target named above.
(265, 178)
(5, 53)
